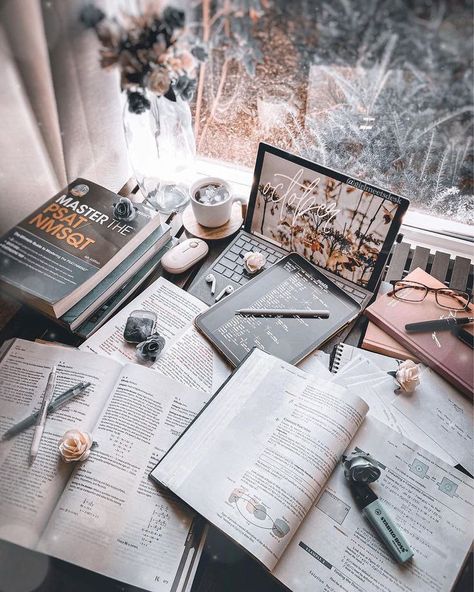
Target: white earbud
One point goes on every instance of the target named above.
(211, 279)
(227, 290)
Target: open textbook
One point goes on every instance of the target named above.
(262, 463)
(187, 357)
(105, 514)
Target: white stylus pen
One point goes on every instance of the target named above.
(39, 427)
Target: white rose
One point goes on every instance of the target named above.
(408, 376)
(254, 262)
(75, 446)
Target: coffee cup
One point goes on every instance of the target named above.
(212, 200)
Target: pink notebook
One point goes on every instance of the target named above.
(379, 342)
(441, 350)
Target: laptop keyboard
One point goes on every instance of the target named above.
(230, 264)
(353, 291)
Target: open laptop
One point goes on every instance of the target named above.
(343, 226)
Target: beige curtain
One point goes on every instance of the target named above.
(60, 114)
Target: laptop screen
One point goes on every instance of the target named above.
(336, 222)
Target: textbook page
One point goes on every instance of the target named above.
(193, 361)
(256, 459)
(176, 311)
(431, 502)
(317, 363)
(28, 494)
(112, 518)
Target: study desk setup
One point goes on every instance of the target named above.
(268, 410)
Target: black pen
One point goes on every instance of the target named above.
(437, 324)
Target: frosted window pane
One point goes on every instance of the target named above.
(381, 90)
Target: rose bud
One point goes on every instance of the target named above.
(124, 210)
(361, 468)
(150, 349)
(408, 376)
(75, 446)
(187, 61)
(254, 262)
(159, 81)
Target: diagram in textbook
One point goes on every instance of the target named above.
(256, 513)
(333, 507)
(419, 468)
(447, 486)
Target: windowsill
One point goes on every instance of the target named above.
(418, 229)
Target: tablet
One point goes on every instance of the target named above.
(292, 283)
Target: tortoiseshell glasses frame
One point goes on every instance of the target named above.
(416, 292)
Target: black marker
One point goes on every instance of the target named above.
(437, 324)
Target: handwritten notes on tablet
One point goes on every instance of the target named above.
(292, 283)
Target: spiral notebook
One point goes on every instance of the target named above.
(343, 353)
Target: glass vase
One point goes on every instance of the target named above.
(162, 150)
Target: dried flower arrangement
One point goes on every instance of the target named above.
(150, 52)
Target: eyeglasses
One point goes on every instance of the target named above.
(416, 292)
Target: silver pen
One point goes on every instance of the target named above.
(281, 312)
(39, 427)
(58, 402)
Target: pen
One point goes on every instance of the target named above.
(437, 324)
(376, 513)
(39, 427)
(464, 336)
(58, 402)
(280, 312)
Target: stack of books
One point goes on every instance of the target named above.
(441, 350)
(80, 255)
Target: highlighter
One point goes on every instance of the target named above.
(376, 513)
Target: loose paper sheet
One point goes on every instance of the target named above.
(444, 414)
(378, 390)
(435, 416)
(317, 364)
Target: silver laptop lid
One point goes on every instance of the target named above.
(337, 222)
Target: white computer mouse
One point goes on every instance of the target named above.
(185, 255)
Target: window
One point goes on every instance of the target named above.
(380, 90)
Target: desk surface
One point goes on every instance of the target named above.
(223, 566)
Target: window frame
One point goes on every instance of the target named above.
(418, 228)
